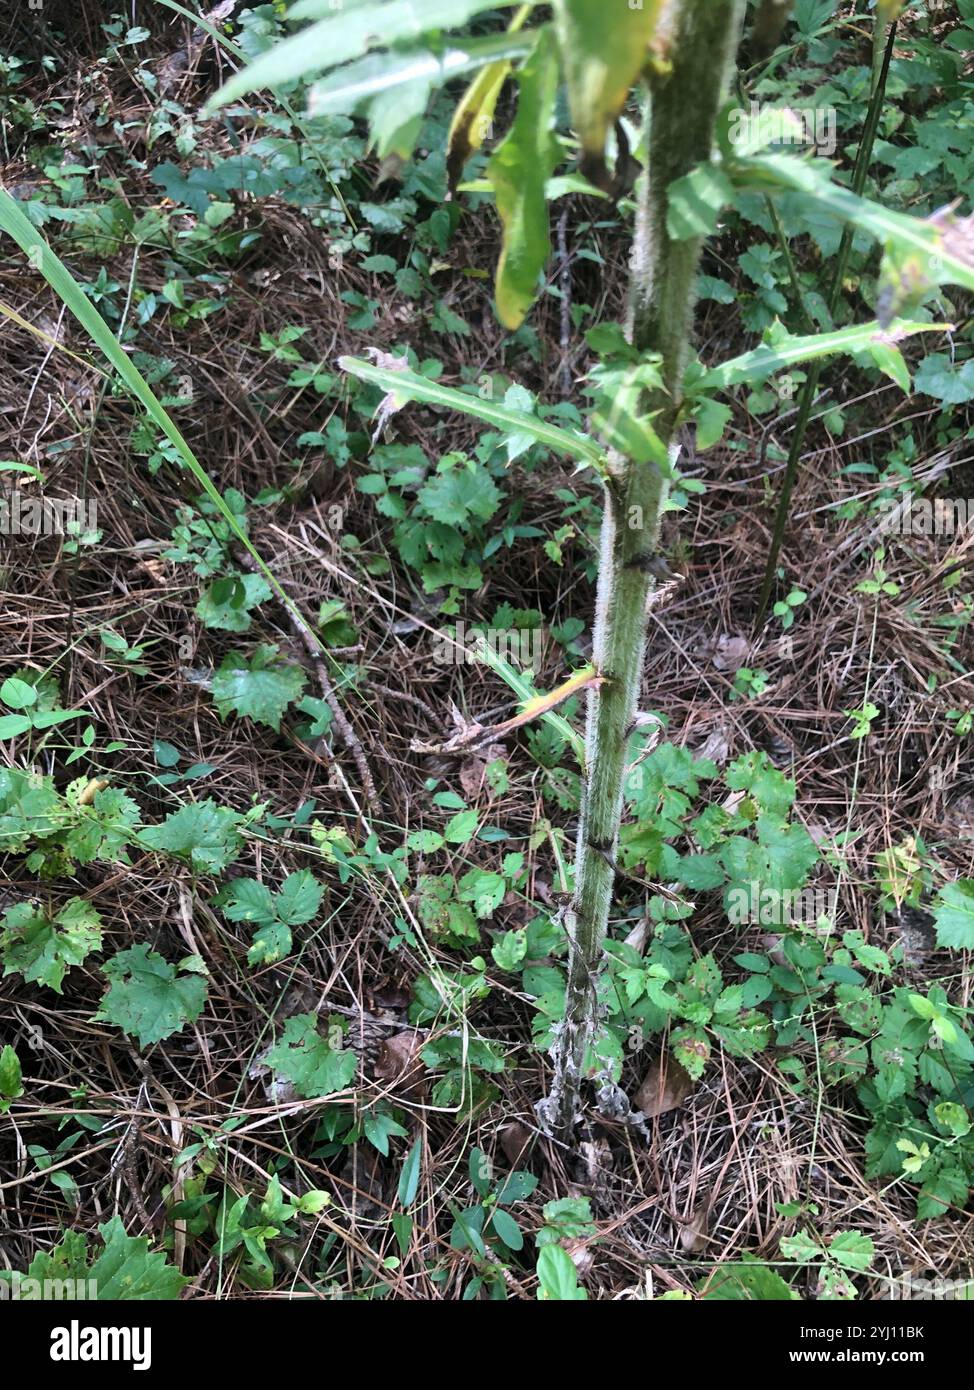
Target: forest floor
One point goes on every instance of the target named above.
(725, 1170)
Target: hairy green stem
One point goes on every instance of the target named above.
(880, 69)
(683, 109)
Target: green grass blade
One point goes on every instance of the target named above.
(16, 225)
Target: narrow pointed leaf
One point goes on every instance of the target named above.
(345, 34)
(406, 386)
(15, 224)
(518, 172)
(475, 110)
(920, 253)
(760, 362)
(346, 88)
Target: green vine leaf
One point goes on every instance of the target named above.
(148, 998)
(259, 689)
(953, 910)
(41, 948)
(310, 1062)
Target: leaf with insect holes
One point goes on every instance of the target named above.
(203, 833)
(105, 825)
(852, 1250)
(30, 808)
(259, 689)
(308, 1060)
(953, 910)
(148, 998)
(691, 1049)
(227, 603)
(41, 948)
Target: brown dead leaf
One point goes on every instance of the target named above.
(473, 771)
(693, 1236)
(730, 653)
(515, 1141)
(398, 1061)
(772, 944)
(665, 1087)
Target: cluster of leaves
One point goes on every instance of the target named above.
(89, 822)
(122, 1269)
(451, 519)
(494, 1239)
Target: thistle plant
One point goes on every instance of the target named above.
(674, 59)
(671, 62)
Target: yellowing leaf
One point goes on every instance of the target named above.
(475, 110)
(518, 172)
(604, 48)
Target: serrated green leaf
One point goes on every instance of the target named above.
(246, 900)
(146, 998)
(299, 898)
(203, 833)
(227, 609)
(43, 949)
(404, 385)
(852, 1250)
(127, 1271)
(789, 350)
(953, 910)
(259, 689)
(307, 1060)
(453, 497)
(745, 1281)
(518, 172)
